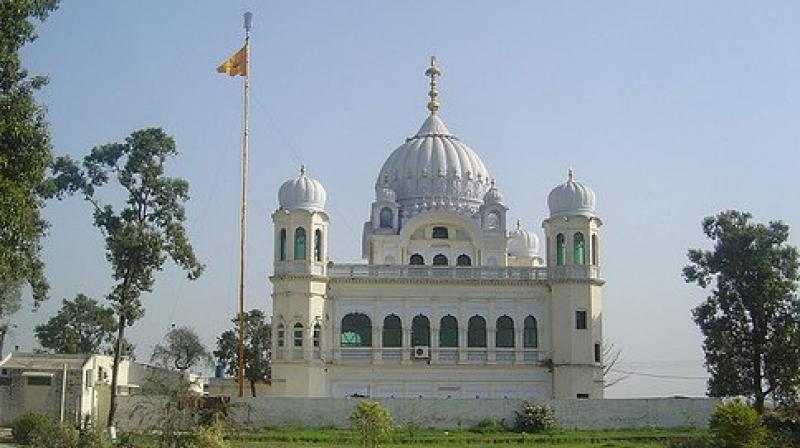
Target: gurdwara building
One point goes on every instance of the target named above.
(452, 302)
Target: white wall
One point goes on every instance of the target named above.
(450, 414)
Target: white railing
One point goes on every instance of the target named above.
(436, 272)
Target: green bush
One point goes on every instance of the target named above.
(372, 422)
(93, 437)
(29, 427)
(736, 425)
(783, 426)
(212, 436)
(56, 436)
(489, 426)
(534, 418)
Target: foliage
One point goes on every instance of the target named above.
(736, 425)
(30, 426)
(80, 326)
(25, 155)
(257, 355)
(783, 425)
(532, 418)
(93, 437)
(57, 436)
(489, 426)
(749, 321)
(144, 231)
(372, 422)
(182, 351)
(208, 436)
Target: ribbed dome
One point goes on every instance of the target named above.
(302, 193)
(522, 242)
(434, 166)
(571, 198)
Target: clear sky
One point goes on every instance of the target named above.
(671, 111)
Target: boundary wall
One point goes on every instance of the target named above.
(140, 412)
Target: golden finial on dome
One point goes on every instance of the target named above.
(433, 72)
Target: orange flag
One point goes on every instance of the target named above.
(235, 65)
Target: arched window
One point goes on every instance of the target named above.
(561, 249)
(476, 332)
(463, 260)
(530, 334)
(440, 233)
(299, 243)
(392, 331)
(298, 334)
(448, 332)
(318, 245)
(281, 336)
(317, 335)
(492, 221)
(420, 331)
(504, 336)
(386, 218)
(594, 250)
(440, 260)
(416, 260)
(282, 250)
(579, 249)
(356, 330)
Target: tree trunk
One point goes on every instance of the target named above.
(112, 409)
(253, 388)
(3, 330)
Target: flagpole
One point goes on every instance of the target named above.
(248, 20)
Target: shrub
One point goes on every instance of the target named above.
(30, 426)
(93, 437)
(783, 426)
(56, 436)
(534, 418)
(489, 426)
(212, 436)
(736, 425)
(372, 422)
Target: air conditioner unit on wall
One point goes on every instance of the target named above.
(421, 352)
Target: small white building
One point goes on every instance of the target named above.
(67, 388)
(451, 302)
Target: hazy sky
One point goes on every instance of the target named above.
(671, 111)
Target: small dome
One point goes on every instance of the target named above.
(385, 193)
(522, 242)
(571, 198)
(302, 193)
(493, 196)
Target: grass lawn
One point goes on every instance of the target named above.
(302, 437)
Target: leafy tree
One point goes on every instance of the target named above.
(145, 229)
(750, 320)
(257, 355)
(80, 326)
(182, 351)
(372, 422)
(25, 155)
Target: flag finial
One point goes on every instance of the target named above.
(433, 72)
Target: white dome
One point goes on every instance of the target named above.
(302, 193)
(522, 242)
(493, 196)
(571, 198)
(434, 166)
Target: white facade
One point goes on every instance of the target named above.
(450, 303)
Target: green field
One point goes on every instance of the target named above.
(302, 437)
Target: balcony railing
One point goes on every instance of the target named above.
(436, 272)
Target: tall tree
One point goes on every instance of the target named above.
(750, 319)
(81, 326)
(182, 350)
(146, 229)
(257, 355)
(25, 155)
